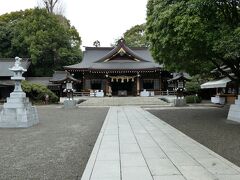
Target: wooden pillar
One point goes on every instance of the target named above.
(106, 86)
(87, 84)
(160, 83)
(138, 86)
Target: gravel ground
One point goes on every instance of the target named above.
(57, 148)
(207, 126)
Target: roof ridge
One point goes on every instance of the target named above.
(117, 50)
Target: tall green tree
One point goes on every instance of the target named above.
(135, 36)
(49, 40)
(193, 35)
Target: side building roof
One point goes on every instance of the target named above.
(6, 63)
(61, 76)
(178, 76)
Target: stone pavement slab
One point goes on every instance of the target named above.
(122, 101)
(135, 145)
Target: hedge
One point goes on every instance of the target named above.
(37, 92)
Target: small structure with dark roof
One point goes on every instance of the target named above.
(178, 84)
(179, 80)
(59, 80)
(119, 69)
(61, 76)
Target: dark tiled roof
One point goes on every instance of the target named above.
(96, 58)
(6, 63)
(121, 47)
(60, 76)
(6, 83)
(178, 76)
(125, 66)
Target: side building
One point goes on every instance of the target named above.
(119, 70)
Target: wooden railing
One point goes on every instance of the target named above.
(163, 93)
(167, 93)
(82, 93)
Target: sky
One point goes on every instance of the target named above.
(103, 20)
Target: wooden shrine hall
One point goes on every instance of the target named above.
(119, 70)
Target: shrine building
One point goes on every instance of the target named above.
(119, 71)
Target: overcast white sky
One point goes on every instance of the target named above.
(103, 20)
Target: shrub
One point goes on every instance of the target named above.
(37, 92)
(193, 86)
(193, 99)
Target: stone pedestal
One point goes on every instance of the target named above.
(18, 112)
(69, 104)
(234, 111)
(179, 102)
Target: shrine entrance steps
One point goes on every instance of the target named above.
(123, 101)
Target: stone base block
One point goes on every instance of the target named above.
(69, 104)
(179, 102)
(234, 113)
(18, 112)
(18, 117)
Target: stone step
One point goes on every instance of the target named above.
(120, 101)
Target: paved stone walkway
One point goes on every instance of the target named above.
(135, 145)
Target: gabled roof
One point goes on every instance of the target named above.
(120, 57)
(61, 76)
(179, 76)
(121, 50)
(6, 63)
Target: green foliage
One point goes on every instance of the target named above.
(37, 92)
(193, 99)
(135, 36)
(49, 40)
(193, 86)
(194, 35)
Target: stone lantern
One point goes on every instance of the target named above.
(69, 102)
(18, 111)
(69, 90)
(179, 87)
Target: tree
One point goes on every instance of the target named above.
(193, 35)
(52, 6)
(135, 36)
(193, 86)
(41, 36)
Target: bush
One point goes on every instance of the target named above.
(37, 92)
(193, 99)
(193, 86)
